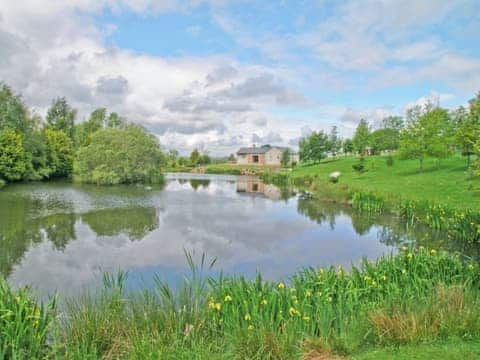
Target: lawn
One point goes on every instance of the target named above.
(447, 183)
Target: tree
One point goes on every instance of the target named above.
(393, 122)
(61, 116)
(13, 158)
(384, 139)
(314, 147)
(194, 157)
(347, 146)
(335, 143)
(428, 133)
(59, 150)
(204, 159)
(468, 128)
(285, 161)
(13, 113)
(120, 156)
(115, 121)
(361, 137)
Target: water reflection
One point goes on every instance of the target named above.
(60, 236)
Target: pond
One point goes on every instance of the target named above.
(60, 237)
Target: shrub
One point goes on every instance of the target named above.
(359, 168)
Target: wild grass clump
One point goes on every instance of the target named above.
(368, 202)
(24, 324)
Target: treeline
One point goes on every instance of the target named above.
(195, 159)
(105, 149)
(426, 131)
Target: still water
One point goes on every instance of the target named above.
(59, 237)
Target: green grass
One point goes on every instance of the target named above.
(447, 183)
(397, 303)
(450, 350)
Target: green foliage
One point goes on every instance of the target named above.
(60, 154)
(368, 202)
(24, 324)
(335, 142)
(359, 167)
(194, 157)
(285, 160)
(314, 147)
(13, 158)
(13, 113)
(361, 137)
(389, 161)
(428, 133)
(348, 146)
(117, 156)
(61, 116)
(384, 139)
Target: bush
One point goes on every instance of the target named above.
(120, 156)
(359, 168)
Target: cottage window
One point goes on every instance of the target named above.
(255, 158)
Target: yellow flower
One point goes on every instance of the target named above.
(251, 327)
(263, 302)
(433, 252)
(329, 299)
(384, 277)
(404, 248)
(374, 283)
(410, 255)
(247, 317)
(471, 267)
(228, 298)
(404, 271)
(281, 285)
(211, 305)
(306, 318)
(295, 301)
(294, 311)
(421, 248)
(308, 293)
(218, 306)
(292, 290)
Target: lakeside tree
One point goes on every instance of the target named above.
(60, 153)
(335, 142)
(428, 133)
(314, 147)
(13, 158)
(194, 157)
(61, 116)
(467, 125)
(120, 156)
(361, 137)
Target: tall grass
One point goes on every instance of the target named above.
(24, 324)
(415, 296)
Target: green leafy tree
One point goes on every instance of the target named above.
(13, 113)
(195, 157)
(335, 142)
(204, 159)
(468, 128)
(285, 160)
(428, 133)
(361, 137)
(13, 158)
(117, 156)
(384, 139)
(393, 122)
(60, 153)
(347, 146)
(61, 116)
(115, 121)
(314, 147)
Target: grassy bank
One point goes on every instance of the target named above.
(420, 298)
(446, 183)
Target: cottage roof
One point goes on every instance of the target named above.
(258, 150)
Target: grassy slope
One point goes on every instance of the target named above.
(447, 184)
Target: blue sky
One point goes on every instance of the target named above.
(219, 74)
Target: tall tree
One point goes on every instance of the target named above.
(13, 158)
(347, 146)
(61, 116)
(194, 157)
(428, 133)
(60, 153)
(314, 147)
(335, 142)
(361, 137)
(285, 160)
